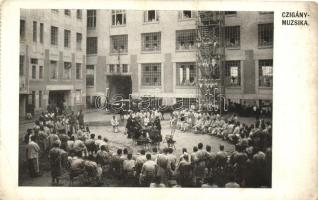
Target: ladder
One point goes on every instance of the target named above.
(210, 56)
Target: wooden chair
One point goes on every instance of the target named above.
(75, 175)
(170, 142)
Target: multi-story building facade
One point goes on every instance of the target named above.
(153, 53)
(52, 59)
(74, 56)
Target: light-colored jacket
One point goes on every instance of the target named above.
(33, 150)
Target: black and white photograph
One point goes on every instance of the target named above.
(160, 100)
(145, 98)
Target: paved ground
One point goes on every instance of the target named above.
(100, 125)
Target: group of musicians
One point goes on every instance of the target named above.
(142, 126)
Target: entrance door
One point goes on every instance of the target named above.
(57, 98)
(119, 86)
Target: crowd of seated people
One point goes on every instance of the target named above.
(71, 148)
(230, 129)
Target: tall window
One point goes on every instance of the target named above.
(151, 74)
(125, 68)
(232, 36)
(34, 63)
(90, 75)
(40, 98)
(79, 14)
(21, 65)
(67, 12)
(119, 43)
(118, 68)
(118, 17)
(54, 35)
(33, 71)
(53, 69)
(91, 45)
(185, 40)
(186, 14)
(265, 34)
(265, 73)
(233, 73)
(111, 68)
(151, 41)
(78, 71)
(67, 70)
(186, 74)
(151, 16)
(41, 32)
(67, 38)
(78, 41)
(41, 72)
(91, 19)
(22, 29)
(35, 30)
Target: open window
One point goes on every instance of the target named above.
(151, 16)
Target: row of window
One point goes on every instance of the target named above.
(37, 71)
(185, 40)
(68, 12)
(118, 68)
(186, 73)
(233, 73)
(112, 68)
(67, 70)
(54, 32)
(34, 31)
(67, 38)
(32, 98)
(151, 73)
(119, 17)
